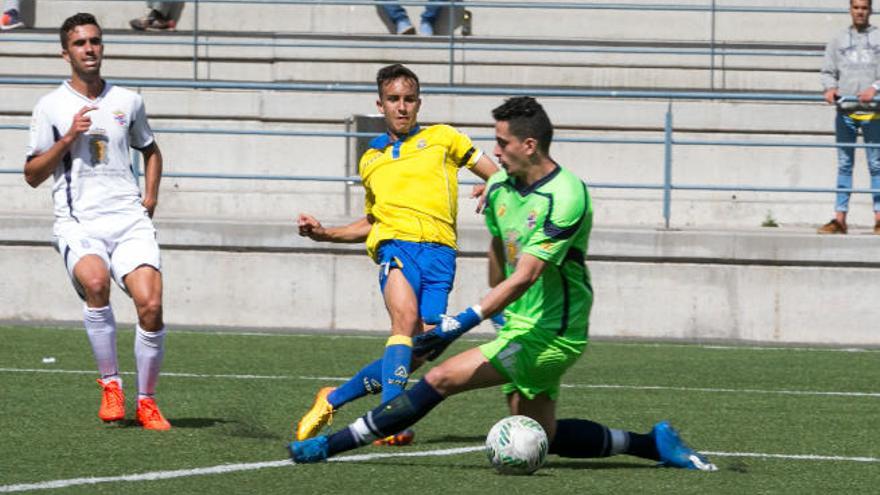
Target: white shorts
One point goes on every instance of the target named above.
(125, 242)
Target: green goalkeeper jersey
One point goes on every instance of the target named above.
(550, 220)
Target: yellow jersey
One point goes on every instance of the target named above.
(412, 185)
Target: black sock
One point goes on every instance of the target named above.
(643, 445)
(387, 419)
(582, 438)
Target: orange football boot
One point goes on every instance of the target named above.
(401, 439)
(112, 401)
(149, 416)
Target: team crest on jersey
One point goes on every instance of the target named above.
(119, 117)
(502, 210)
(421, 144)
(532, 219)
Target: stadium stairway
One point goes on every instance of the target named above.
(716, 275)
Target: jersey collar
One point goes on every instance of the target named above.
(524, 190)
(382, 141)
(86, 98)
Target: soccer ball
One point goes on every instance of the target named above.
(516, 445)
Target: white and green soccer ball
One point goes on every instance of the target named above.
(517, 445)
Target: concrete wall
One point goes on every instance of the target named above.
(748, 286)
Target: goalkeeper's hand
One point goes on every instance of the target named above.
(432, 343)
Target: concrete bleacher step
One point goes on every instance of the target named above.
(641, 23)
(483, 61)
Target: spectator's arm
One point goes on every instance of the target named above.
(830, 74)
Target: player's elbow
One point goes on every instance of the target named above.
(32, 179)
(523, 279)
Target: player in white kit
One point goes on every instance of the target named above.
(80, 135)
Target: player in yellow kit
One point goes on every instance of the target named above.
(410, 177)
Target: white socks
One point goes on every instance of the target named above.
(101, 329)
(149, 349)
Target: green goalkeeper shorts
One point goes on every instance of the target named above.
(533, 360)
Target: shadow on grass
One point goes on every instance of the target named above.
(595, 465)
(227, 427)
(175, 423)
(551, 464)
(198, 422)
(468, 439)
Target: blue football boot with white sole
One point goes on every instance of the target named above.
(309, 451)
(675, 453)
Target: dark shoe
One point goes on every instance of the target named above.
(834, 227)
(10, 19)
(153, 21)
(405, 27)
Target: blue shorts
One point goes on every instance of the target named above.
(428, 267)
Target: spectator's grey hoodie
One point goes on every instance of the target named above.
(852, 63)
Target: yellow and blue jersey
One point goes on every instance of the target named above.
(412, 185)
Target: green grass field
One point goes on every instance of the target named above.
(773, 420)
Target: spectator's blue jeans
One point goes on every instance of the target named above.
(396, 13)
(846, 130)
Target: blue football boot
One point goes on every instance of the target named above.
(308, 451)
(675, 453)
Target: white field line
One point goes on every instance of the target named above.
(221, 469)
(482, 337)
(818, 393)
(796, 457)
(253, 466)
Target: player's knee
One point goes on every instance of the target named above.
(406, 322)
(96, 287)
(442, 380)
(150, 314)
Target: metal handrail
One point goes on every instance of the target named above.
(437, 89)
(427, 45)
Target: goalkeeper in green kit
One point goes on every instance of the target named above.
(540, 216)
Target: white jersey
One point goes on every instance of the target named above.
(95, 177)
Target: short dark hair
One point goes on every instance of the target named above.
(851, 2)
(80, 19)
(395, 71)
(527, 119)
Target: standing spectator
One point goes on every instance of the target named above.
(11, 18)
(160, 16)
(80, 136)
(852, 67)
(403, 25)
